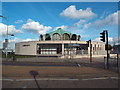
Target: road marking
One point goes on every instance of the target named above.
(46, 79)
(24, 87)
(99, 78)
(7, 79)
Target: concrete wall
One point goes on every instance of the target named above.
(30, 47)
(98, 48)
(26, 48)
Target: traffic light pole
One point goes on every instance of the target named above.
(90, 51)
(90, 45)
(107, 49)
(106, 45)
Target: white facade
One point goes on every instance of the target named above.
(25, 48)
(58, 48)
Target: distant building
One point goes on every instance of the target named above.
(58, 43)
(9, 50)
(116, 49)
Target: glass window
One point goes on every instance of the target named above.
(74, 37)
(47, 37)
(66, 36)
(56, 36)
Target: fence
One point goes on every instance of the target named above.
(113, 63)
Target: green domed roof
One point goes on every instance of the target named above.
(59, 31)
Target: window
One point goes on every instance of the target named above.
(74, 37)
(41, 38)
(26, 45)
(56, 36)
(66, 36)
(47, 37)
(95, 47)
(79, 37)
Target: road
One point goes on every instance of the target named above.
(77, 73)
(37, 61)
(63, 83)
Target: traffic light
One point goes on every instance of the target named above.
(103, 36)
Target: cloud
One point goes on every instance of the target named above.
(73, 13)
(110, 40)
(19, 21)
(28, 39)
(111, 19)
(116, 40)
(62, 27)
(35, 27)
(15, 40)
(11, 29)
(80, 22)
(12, 42)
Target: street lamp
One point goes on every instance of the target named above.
(6, 40)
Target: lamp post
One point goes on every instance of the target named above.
(6, 40)
(70, 45)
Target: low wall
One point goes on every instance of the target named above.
(87, 56)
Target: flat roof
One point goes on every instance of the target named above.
(57, 42)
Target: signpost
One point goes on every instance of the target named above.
(34, 74)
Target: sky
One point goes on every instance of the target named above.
(27, 20)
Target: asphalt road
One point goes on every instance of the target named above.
(100, 82)
(39, 63)
(62, 83)
(96, 62)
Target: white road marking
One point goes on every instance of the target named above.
(46, 79)
(99, 78)
(7, 79)
(25, 87)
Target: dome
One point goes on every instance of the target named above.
(60, 34)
